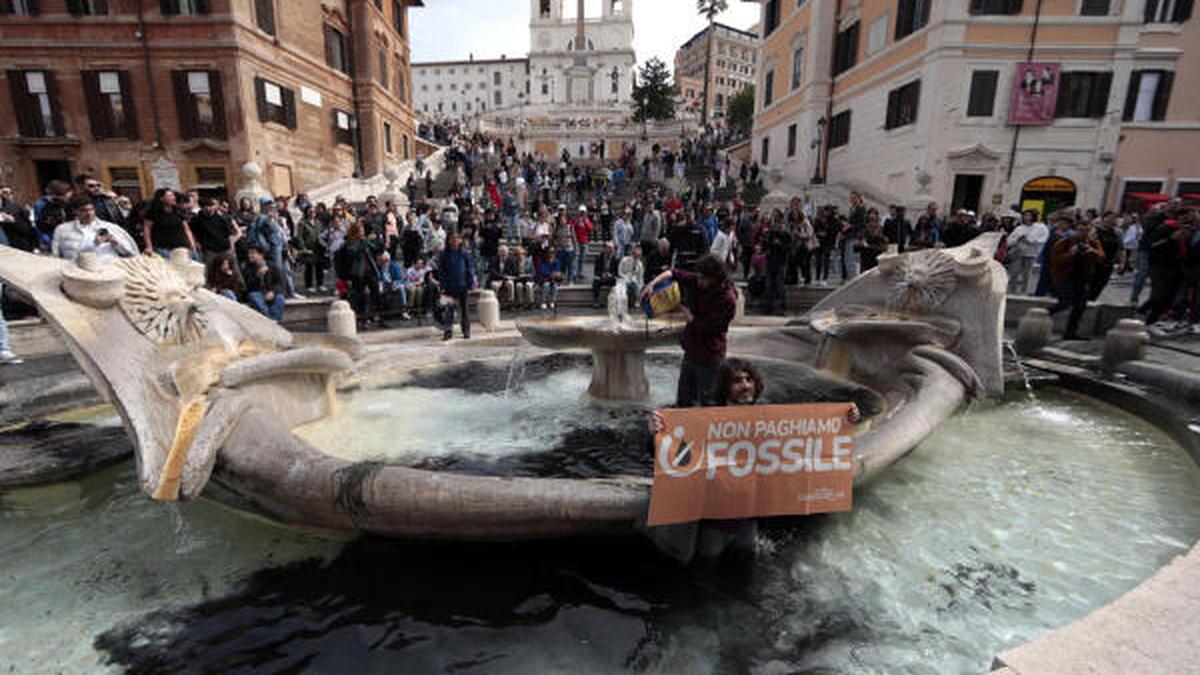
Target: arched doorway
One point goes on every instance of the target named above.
(1047, 195)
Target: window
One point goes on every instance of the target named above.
(766, 150)
(404, 145)
(1148, 95)
(791, 138)
(497, 98)
(19, 7)
(264, 15)
(996, 7)
(398, 17)
(845, 49)
(35, 99)
(275, 103)
(496, 79)
(1168, 11)
(1094, 8)
(877, 34)
(1083, 94)
(336, 56)
(982, 100)
(401, 90)
(110, 104)
(183, 7)
(720, 102)
(87, 7)
(199, 103)
(387, 137)
(383, 69)
(797, 67)
(771, 11)
(343, 133)
(126, 180)
(1187, 187)
(544, 9)
(902, 105)
(911, 16)
(839, 129)
(768, 88)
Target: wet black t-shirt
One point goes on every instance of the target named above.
(212, 233)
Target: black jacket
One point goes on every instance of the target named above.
(257, 281)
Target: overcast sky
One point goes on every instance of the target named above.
(446, 30)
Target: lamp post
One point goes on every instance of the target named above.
(817, 178)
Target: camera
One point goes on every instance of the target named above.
(103, 232)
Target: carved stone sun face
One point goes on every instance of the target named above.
(159, 303)
(922, 281)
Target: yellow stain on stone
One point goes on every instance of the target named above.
(185, 433)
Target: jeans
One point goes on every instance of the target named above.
(697, 385)
(776, 288)
(566, 263)
(598, 284)
(1140, 274)
(1073, 295)
(285, 269)
(824, 261)
(1018, 274)
(548, 292)
(850, 265)
(1187, 299)
(272, 310)
(1164, 283)
(314, 273)
(229, 294)
(165, 253)
(4, 346)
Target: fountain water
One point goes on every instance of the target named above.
(1021, 368)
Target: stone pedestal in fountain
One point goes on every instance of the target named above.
(618, 346)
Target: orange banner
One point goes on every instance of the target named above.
(750, 461)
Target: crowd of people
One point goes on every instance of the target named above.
(524, 225)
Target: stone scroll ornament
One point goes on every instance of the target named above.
(159, 303)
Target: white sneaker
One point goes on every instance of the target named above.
(297, 296)
(1159, 329)
(1196, 329)
(553, 306)
(7, 356)
(543, 305)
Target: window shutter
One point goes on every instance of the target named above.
(131, 116)
(893, 101)
(218, 104)
(75, 7)
(202, 6)
(55, 104)
(1151, 10)
(27, 123)
(35, 7)
(264, 13)
(260, 98)
(924, 10)
(1098, 101)
(168, 6)
(289, 107)
(330, 57)
(183, 104)
(1135, 82)
(1183, 10)
(97, 115)
(1162, 96)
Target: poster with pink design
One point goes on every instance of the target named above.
(1034, 94)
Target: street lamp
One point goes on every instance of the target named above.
(817, 179)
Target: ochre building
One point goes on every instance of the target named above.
(182, 93)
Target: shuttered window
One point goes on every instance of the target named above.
(769, 88)
(1148, 95)
(20, 7)
(845, 49)
(1094, 7)
(1083, 94)
(185, 7)
(1168, 11)
(996, 6)
(398, 17)
(109, 97)
(36, 103)
(264, 15)
(383, 69)
(343, 133)
(199, 103)
(335, 50)
(911, 16)
(87, 7)
(276, 103)
(839, 129)
(982, 100)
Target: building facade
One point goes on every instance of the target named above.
(732, 56)
(183, 93)
(461, 89)
(910, 101)
(580, 60)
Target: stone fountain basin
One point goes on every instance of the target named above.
(600, 334)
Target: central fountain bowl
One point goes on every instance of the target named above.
(618, 349)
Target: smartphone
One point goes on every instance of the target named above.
(103, 232)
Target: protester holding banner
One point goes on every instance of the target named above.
(712, 305)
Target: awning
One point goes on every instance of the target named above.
(1152, 197)
(1191, 196)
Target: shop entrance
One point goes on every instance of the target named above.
(1047, 195)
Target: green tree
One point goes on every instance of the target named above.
(709, 9)
(741, 111)
(653, 92)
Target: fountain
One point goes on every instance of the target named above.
(618, 345)
(212, 393)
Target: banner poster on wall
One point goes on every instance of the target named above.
(752, 461)
(1034, 94)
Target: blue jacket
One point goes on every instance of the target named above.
(456, 271)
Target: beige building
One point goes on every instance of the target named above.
(732, 55)
(463, 89)
(183, 93)
(908, 101)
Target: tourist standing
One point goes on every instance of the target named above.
(1024, 244)
(1073, 261)
(456, 278)
(165, 227)
(214, 232)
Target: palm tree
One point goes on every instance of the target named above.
(709, 9)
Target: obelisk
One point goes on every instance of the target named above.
(579, 75)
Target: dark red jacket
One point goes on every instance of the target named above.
(703, 338)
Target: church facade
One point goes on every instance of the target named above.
(581, 60)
